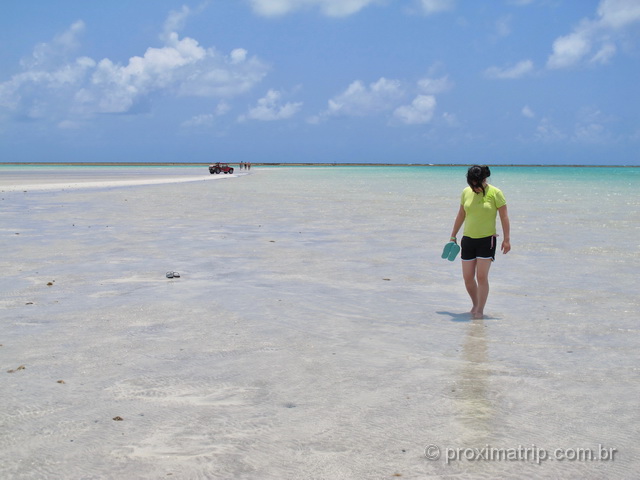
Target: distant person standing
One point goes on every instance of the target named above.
(479, 205)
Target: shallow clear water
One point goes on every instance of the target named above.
(315, 331)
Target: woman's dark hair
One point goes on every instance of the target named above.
(476, 175)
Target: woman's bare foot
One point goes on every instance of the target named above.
(477, 315)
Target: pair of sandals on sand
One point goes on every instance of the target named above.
(173, 275)
(451, 251)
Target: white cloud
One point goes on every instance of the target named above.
(548, 132)
(430, 7)
(527, 112)
(222, 108)
(503, 26)
(332, 8)
(590, 133)
(618, 14)
(612, 17)
(116, 88)
(175, 22)
(450, 119)
(519, 70)
(420, 111)
(433, 86)
(33, 93)
(390, 95)
(207, 119)
(270, 108)
(49, 55)
(606, 53)
(203, 120)
(591, 126)
(360, 100)
(238, 55)
(570, 49)
(51, 85)
(220, 76)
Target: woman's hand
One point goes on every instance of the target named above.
(506, 246)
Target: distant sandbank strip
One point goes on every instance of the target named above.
(88, 183)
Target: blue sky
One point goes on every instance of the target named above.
(380, 81)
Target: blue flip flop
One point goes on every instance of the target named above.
(447, 249)
(451, 251)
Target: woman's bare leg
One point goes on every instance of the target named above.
(469, 276)
(482, 278)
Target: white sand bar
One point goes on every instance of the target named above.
(68, 178)
(314, 333)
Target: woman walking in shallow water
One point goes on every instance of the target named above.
(479, 205)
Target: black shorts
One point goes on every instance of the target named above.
(473, 248)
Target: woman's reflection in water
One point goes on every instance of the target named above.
(471, 391)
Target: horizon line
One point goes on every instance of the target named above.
(311, 164)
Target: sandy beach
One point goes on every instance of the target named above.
(314, 331)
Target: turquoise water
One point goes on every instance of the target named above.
(409, 177)
(367, 170)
